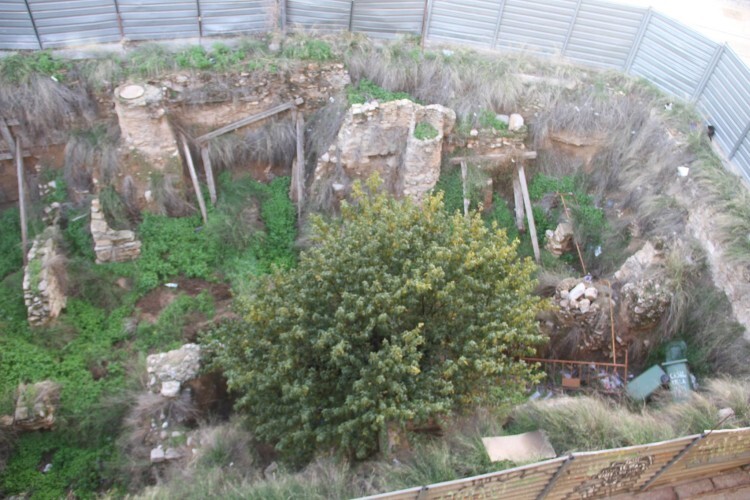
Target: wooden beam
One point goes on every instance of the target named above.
(519, 155)
(518, 200)
(529, 212)
(10, 156)
(194, 177)
(464, 174)
(245, 121)
(22, 200)
(297, 189)
(206, 157)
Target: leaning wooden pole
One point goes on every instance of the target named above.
(518, 201)
(206, 157)
(22, 200)
(194, 177)
(297, 189)
(464, 175)
(529, 213)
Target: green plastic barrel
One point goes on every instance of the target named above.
(680, 383)
(646, 383)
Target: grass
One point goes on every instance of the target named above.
(366, 91)
(591, 423)
(306, 48)
(424, 131)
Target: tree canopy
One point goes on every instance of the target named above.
(399, 312)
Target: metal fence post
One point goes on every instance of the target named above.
(119, 20)
(351, 15)
(638, 39)
(426, 20)
(555, 477)
(282, 15)
(33, 25)
(573, 21)
(710, 68)
(200, 18)
(498, 22)
(674, 460)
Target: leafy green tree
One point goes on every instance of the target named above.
(398, 313)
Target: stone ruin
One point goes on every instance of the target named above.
(43, 290)
(380, 138)
(167, 373)
(560, 240)
(143, 123)
(111, 245)
(36, 405)
(639, 296)
(645, 293)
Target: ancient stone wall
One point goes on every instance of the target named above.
(43, 290)
(111, 245)
(379, 138)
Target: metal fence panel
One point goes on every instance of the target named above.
(726, 100)
(536, 25)
(157, 19)
(602, 474)
(388, 18)
(718, 451)
(228, 17)
(464, 21)
(742, 158)
(673, 56)
(64, 23)
(324, 15)
(603, 34)
(16, 30)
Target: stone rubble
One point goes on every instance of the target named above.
(42, 289)
(36, 406)
(168, 370)
(111, 245)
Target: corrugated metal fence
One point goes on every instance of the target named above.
(640, 42)
(600, 474)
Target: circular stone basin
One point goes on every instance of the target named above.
(132, 92)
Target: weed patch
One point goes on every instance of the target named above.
(366, 91)
(424, 131)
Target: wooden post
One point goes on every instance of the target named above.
(22, 201)
(464, 173)
(518, 200)
(206, 157)
(194, 177)
(297, 189)
(529, 212)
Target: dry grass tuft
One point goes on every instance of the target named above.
(45, 107)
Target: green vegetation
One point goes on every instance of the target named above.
(366, 91)
(11, 256)
(399, 313)
(424, 131)
(307, 49)
(167, 332)
(221, 58)
(20, 68)
(488, 119)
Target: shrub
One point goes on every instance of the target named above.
(400, 313)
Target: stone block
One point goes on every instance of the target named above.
(731, 480)
(694, 488)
